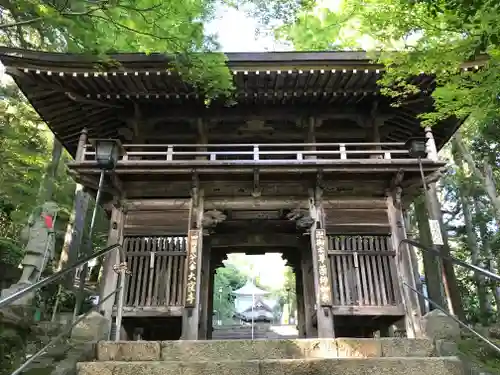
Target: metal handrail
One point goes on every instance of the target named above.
(457, 261)
(121, 269)
(442, 309)
(56, 276)
(63, 334)
(460, 263)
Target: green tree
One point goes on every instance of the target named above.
(227, 280)
(414, 38)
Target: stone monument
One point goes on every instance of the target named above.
(38, 235)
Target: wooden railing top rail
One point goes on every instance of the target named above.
(265, 152)
(232, 145)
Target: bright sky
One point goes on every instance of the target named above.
(236, 33)
(270, 267)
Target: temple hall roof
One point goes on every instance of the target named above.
(250, 289)
(72, 92)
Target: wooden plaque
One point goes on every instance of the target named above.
(325, 293)
(192, 267)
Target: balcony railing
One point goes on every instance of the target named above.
(258, 153)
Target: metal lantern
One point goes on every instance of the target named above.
(417, 147)
(107, 152)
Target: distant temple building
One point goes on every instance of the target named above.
(251, 296)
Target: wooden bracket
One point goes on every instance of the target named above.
(319, 179)
(256, 192)
(397, 180)
(396, 195)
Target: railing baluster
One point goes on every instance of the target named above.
(343, 153)
(256, 152)
(213, 156)
(170, 152)
(300, 156)
(387, 155)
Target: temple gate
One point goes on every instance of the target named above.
(312, 161)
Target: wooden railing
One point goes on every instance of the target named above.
(363, 272)
(255, 153)
(158, 266)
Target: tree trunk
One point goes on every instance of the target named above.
(485, 177)
(471, 238)
(483, 295)
(491, 264)
(432, 269)
(46, 189)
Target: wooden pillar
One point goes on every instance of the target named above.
(308, 291)
(432, 269)
(205, 293)
(299, 296)
(74, 234)
(109, 277)
(76, 223)
(191, 316)
(321, 273)
(210, 324)
(430, 145)
(404, 265)
(439, 237)
(82, 144)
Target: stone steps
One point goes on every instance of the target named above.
(310, 366)
(214, 350)
(271, 357)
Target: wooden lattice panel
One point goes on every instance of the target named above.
(158, 271)
(364, 275)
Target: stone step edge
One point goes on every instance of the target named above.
(346, 366)
(285, 360)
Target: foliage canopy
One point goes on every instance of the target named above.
(415, 37)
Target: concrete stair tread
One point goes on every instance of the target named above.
(316, 366)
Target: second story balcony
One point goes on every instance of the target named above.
(286, 169)
(277, 157)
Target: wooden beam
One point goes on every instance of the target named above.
(255, 113)
(369, 310)
(151, 311)
(254, 240)
(157, 204)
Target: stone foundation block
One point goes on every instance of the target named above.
(437, 325)
(128, 351)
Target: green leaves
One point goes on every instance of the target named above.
(416, 38)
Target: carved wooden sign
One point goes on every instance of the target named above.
(192, 267)
(325, 294)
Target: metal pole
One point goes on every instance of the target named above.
(88, 249)
(253, 303)
(119, 306)
(219, 315)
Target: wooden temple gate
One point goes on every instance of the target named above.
(364, 275)
(178, 150)
(158, 266)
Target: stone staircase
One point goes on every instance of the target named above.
(272, 357)
(243, 332)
